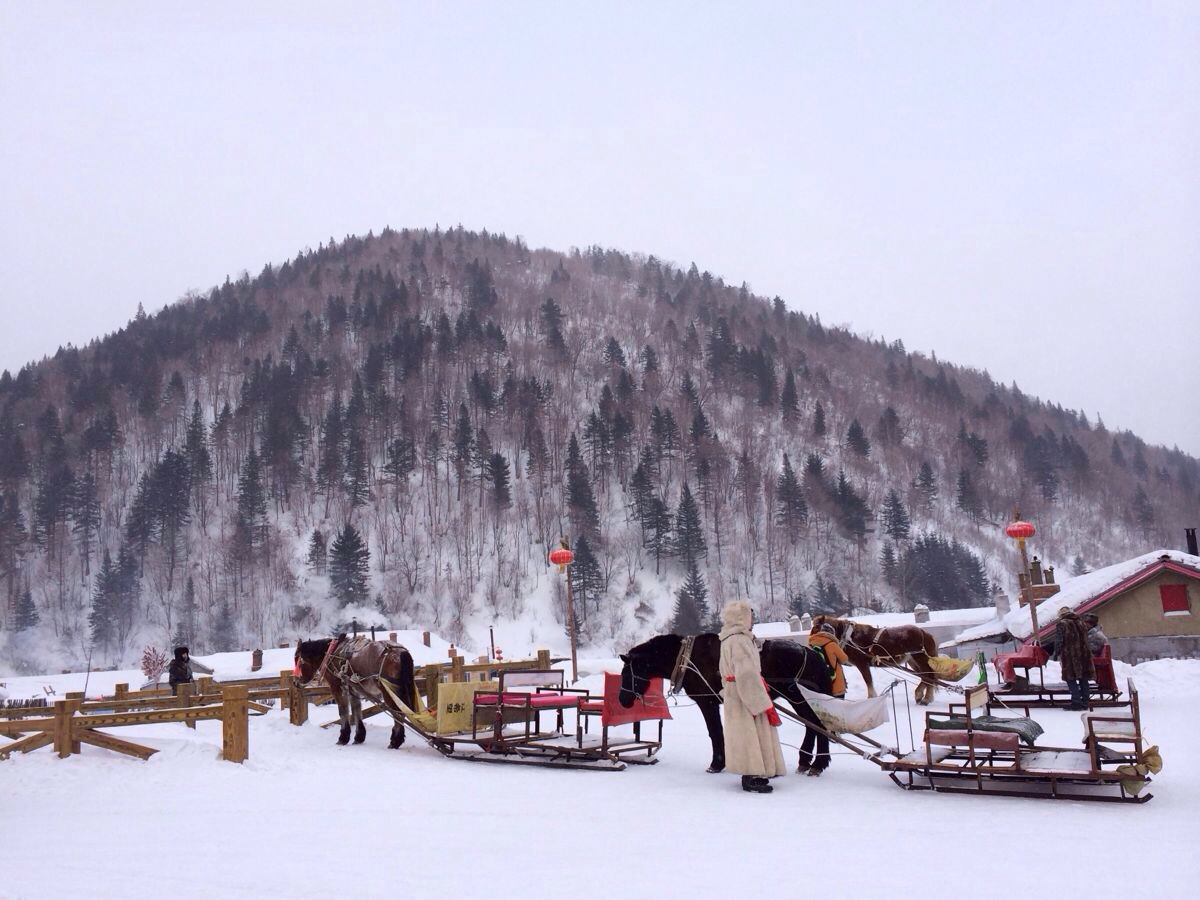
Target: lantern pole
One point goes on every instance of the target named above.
(565, 545)
(571, 629)
(1029, 588)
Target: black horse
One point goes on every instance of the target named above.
(785, 665)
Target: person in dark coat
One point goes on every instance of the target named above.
(180, 670)
(1096, 638)
(1072, 651)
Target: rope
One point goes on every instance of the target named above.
(682, 661)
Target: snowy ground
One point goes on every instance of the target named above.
(304, 818)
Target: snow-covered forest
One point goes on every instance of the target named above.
(402, 426)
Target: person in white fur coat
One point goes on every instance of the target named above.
(751, 742)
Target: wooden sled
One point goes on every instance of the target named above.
(1111, 766)
(501, 721)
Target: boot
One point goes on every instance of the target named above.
(756, 785)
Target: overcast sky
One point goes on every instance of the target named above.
(1014, 186)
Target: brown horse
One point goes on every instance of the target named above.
(354, 668)
(905, 646)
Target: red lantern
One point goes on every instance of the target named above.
(561, 557)
(1020, 530)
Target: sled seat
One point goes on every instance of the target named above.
(1121, 725)
(651, 706)
(520, 695)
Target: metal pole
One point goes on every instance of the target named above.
(492, 639)
(571, 627)
(1029, 589)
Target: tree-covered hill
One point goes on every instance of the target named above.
(403, 425)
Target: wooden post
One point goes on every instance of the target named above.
(433, 675)
(184, 698)
(543, 659)
(295, 697)
(456, 669)
(74, 704)
(425, 638)
(256, 660)
(121, 689)
(235, 723)
(204, 685)
(62, 728)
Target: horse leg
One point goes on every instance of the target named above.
(397, 736)
(710, 709)
(864, 669)
(343, 704)
(360, 727)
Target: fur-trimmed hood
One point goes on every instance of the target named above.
(735, 617)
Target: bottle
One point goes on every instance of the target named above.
(981, 662)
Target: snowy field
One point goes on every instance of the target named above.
(304, 818)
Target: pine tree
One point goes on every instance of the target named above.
(888, 564)
(318, 553)
(926, 487)
(225, 636)
(896, 523)
(357, 488)
(498, 476)
(251, 506)
(199, 460)
(966, 496)
(689, 542)
(658, 530)
(349, 565)
(100, 619)
(789, 401)
(86, 515)
(853, 511)
(331, 462)
(13, 538)
(185, 627)
(819, 421)
(691, 615)
(27, 614)
(791, 509)
(581, 503)
(1143, 510)
(587, 581)
(856, 440)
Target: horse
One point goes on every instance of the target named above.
(355, 668)
(785, 664)
(905, 646)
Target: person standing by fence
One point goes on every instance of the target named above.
(180, 670)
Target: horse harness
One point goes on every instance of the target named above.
(682, 662)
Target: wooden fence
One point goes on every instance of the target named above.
(73, 721)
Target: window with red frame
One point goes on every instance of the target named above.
(1174, 598)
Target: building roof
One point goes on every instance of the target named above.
(1085, 592)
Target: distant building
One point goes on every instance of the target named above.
(1149, 607)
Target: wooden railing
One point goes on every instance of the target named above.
(73, 721)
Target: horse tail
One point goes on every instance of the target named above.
(408, 684)
(929, 643)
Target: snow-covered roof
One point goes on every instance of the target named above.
(1076, 592)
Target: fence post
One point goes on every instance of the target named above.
(63, 709)
(543, 659)
(456, 668)
(433, 676)
(121, 689)
(184, 696)
(204, 685)
(235, 723)
(294, 696)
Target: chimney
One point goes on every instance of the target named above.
(1191, 541)
(1003, 604)
(806, 623)
(1049, 574)
(920, 613)
(1035, 571)
(793, 623)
